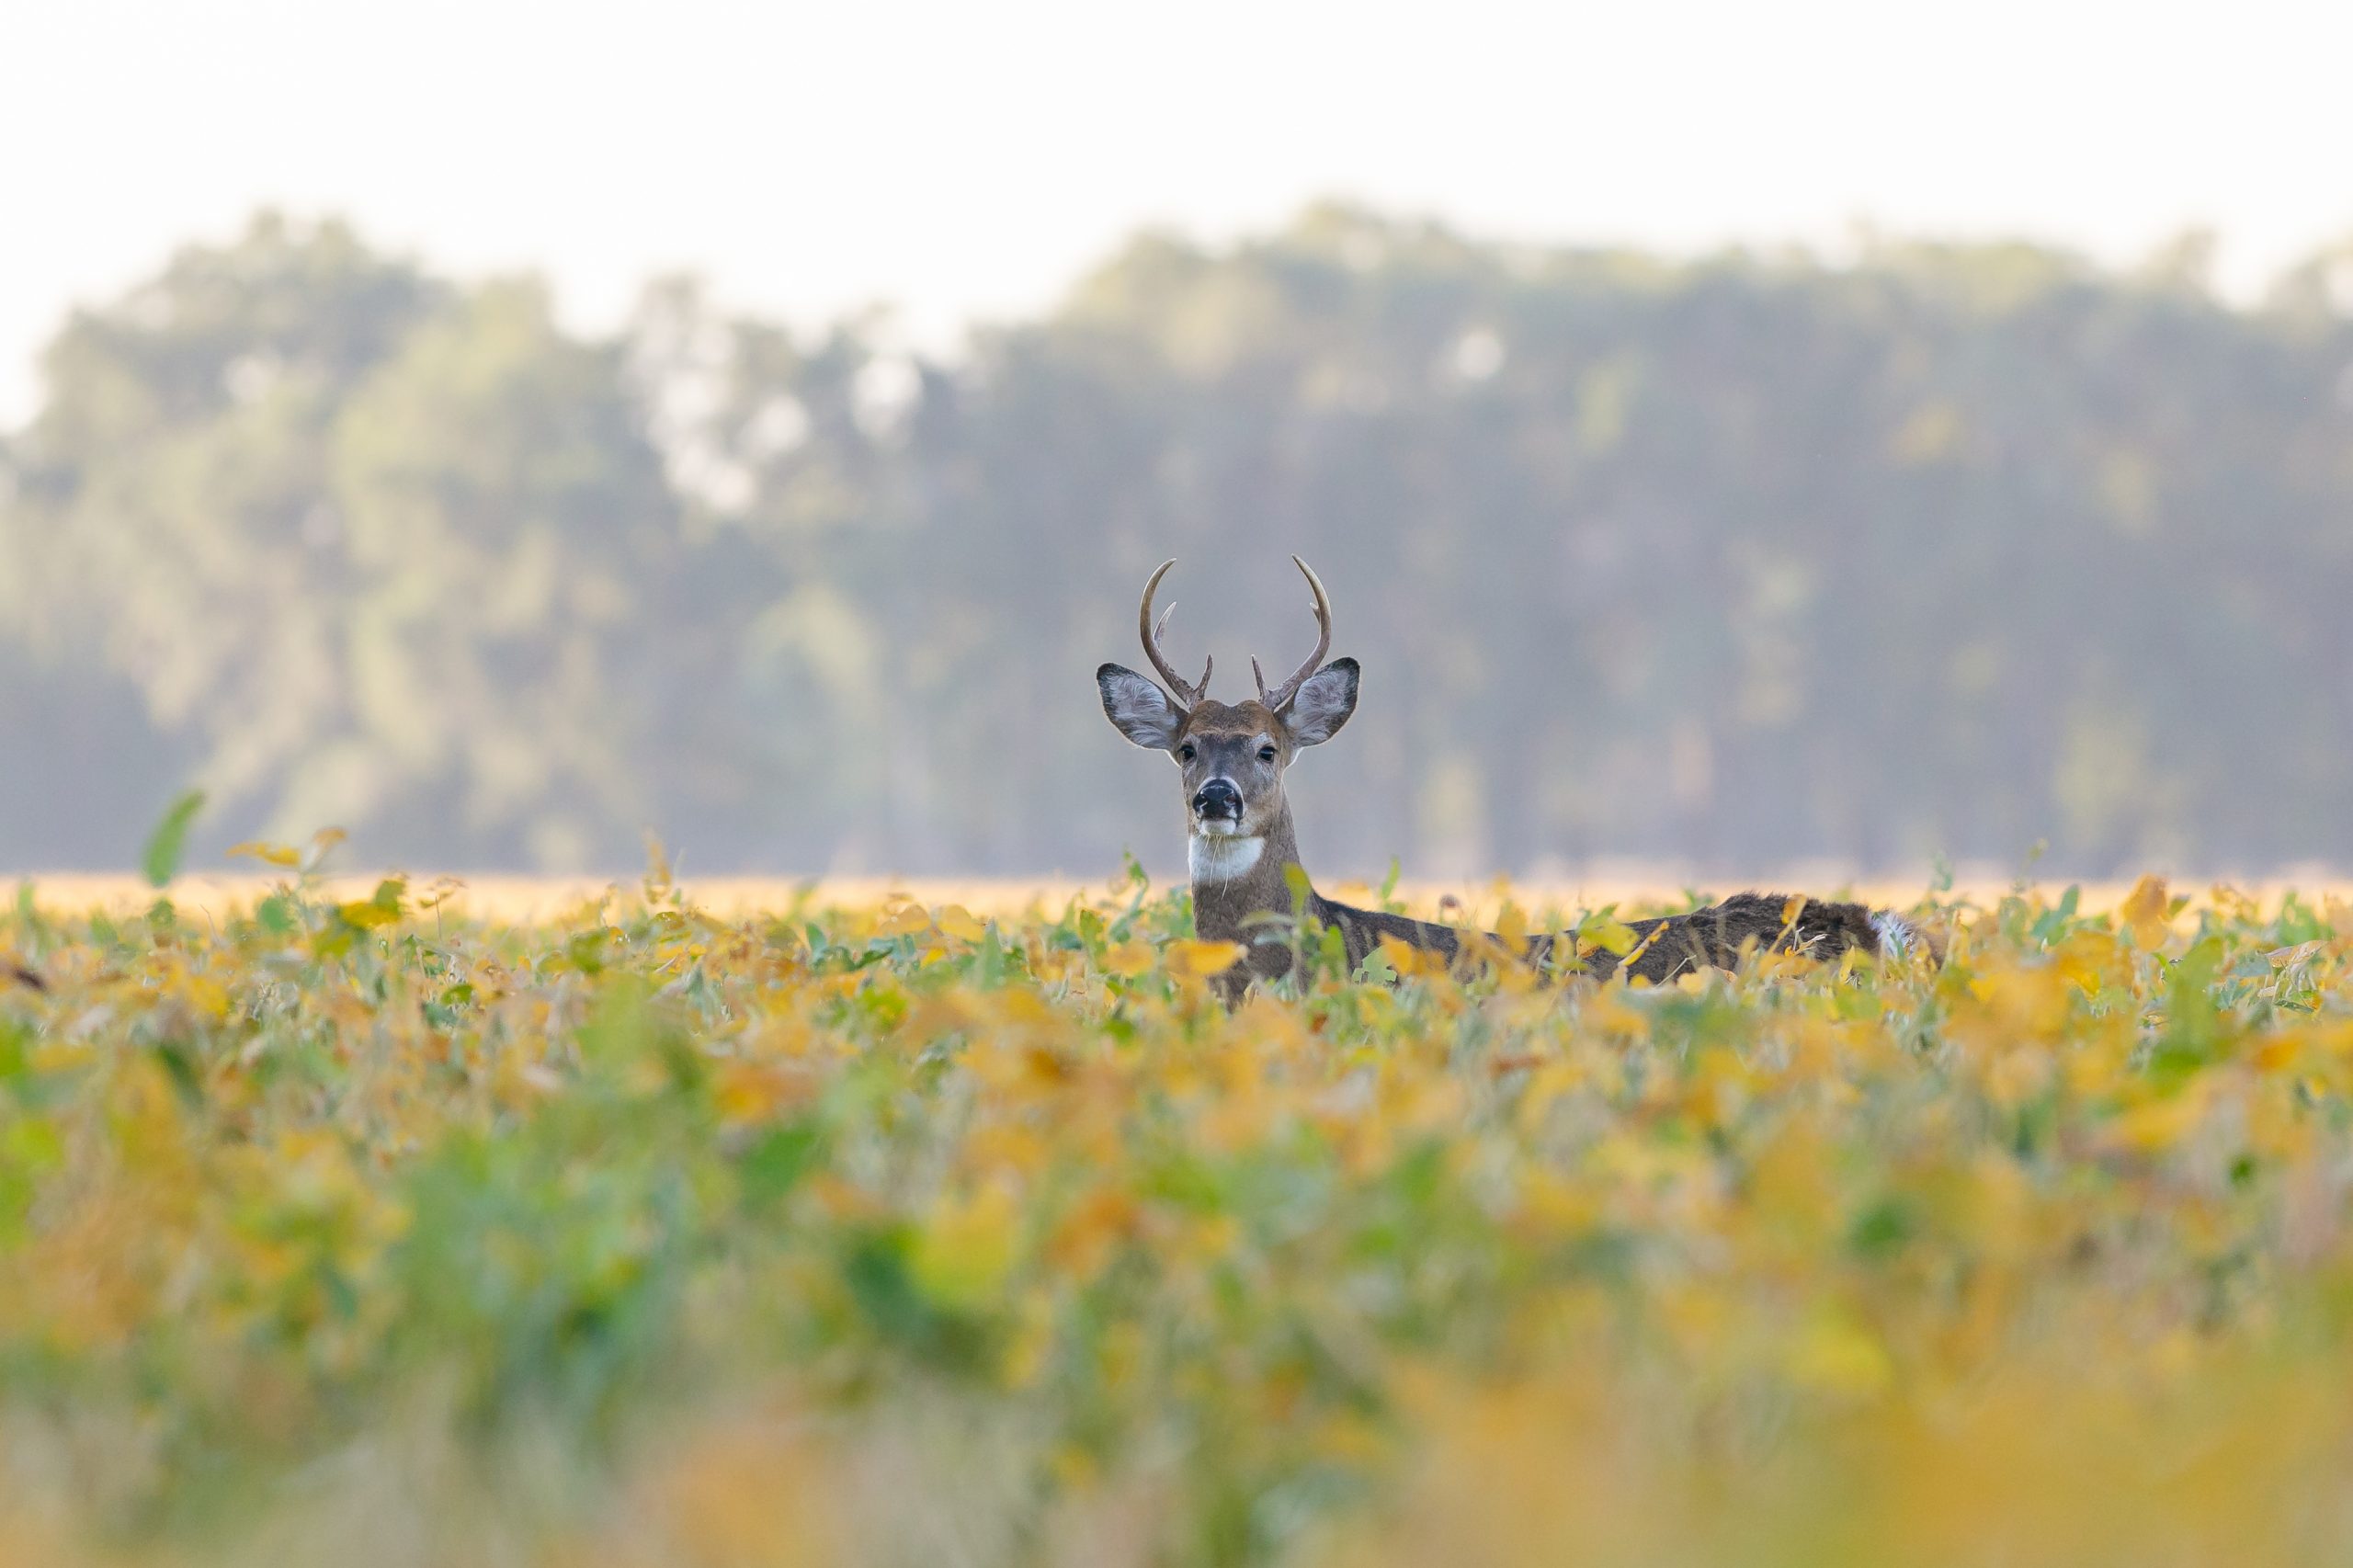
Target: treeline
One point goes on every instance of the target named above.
(1737, 561)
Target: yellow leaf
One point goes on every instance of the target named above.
(367, 916)
(207, 996)
(275, 854)
(1097, 1224)
(1128, 958)
(907, 920)
(960, 923)
(962, 1255)
(2159, 1124)
(749, 1092)
(2144, 911)
(1840, 1355)
(2275, 1054)
(1200, 960)
(1611, 935)
(1548, 1084)
(1406, 959)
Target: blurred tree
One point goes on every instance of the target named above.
(371, 540)
(510, 537)
(1739, 561)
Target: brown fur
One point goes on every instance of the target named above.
(1248, 909)
(1215, 721)
(1251, 908)
(1248, 746)
(1664, 947)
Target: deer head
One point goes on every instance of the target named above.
(1231, 757)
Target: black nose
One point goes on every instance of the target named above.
(1218, 797)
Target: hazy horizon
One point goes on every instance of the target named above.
(812, 161)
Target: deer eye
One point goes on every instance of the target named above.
(1186, 750)
(1265, 753)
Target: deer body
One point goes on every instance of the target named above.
(1243, 850)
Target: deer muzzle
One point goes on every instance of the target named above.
(1218, 801)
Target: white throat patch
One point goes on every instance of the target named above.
(1223, 859)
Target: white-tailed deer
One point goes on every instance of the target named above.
(1243, 846)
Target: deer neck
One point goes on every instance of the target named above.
(1236, 878)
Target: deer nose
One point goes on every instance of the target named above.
(1218, 797)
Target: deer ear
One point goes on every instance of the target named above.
(1138, 708)
(1324, 701)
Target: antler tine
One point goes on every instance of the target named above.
(1280, 698)
(1186, 695)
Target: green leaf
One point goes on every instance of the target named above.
(772, 1168)
(161, 861)
(1295, 879)
(1882, 1228)
(385, 909)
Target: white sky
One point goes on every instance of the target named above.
(969, 158)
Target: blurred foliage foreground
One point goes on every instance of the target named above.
(370, 1234)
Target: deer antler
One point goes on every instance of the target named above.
(1186, 696)
(1280, 698)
